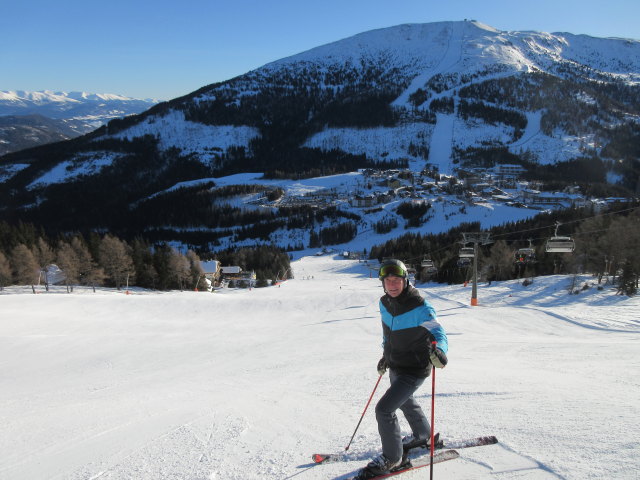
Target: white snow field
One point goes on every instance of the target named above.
(247, 384)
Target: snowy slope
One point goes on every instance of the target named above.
(247, 384)
(460, 49)
(173, 131)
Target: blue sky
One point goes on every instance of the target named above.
(166, 48)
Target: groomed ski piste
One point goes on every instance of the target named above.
(247, 384)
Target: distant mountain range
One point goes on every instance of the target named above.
(442, 97)
(29, 119)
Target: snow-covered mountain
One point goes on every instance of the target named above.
(70, 114)
(438, 96)
(66, 105)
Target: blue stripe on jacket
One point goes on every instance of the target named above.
(422, 316)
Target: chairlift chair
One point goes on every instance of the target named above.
(464, 262)
(557, 244)
(527, 254)
(560, 245)
(428, 266)
(466, 252)
(426, 263)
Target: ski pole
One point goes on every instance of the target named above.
(433, 411)
(365, 411)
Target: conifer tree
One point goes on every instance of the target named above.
(628, 280)
(161, 263)
(180, 269)
(142, 256)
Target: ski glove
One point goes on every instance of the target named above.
(438, 358)
(382, 366)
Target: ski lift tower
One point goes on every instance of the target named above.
(479, 238)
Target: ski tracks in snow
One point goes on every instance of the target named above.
(504, 462)
(197, 450)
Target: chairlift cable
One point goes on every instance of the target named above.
(454, 244)
(565, 223)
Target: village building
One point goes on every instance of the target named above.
(212, 273)
(552, 199)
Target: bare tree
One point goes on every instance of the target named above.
(24, 265)
(68, 261)
(197, 273)
(501, 258)
(5, 271)
(590, 252)
(44, 256)
(44, 253)
(115, 260)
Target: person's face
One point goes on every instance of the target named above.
(393, 285)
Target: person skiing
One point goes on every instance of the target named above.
(413, 341)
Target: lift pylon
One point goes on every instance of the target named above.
(478, 238)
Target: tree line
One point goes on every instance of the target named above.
(341, 233)
(106, 261)
(94, 260)
(413, 212)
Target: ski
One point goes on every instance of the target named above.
(467, 443)
(421, 462)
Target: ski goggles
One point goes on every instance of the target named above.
(391, 269)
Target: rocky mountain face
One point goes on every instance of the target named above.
(29, 119)
(441, 96)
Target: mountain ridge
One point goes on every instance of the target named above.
(69, 114)
(27, 99)
(444, 97)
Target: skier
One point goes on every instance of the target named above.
(409, 329)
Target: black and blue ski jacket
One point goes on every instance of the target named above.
(409, 327)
